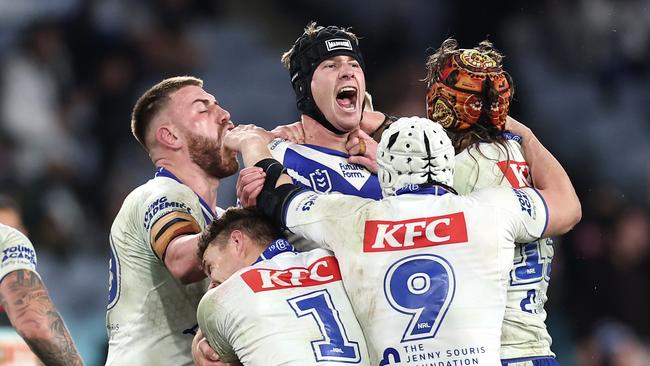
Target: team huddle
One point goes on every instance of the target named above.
(361, 239)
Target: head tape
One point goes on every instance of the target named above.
(470, 88)
(414, 150)
(308, 52)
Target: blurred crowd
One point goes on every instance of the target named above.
(71, 71)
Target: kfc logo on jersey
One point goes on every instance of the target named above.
(382, 236)
(516, 172)
(324, 270)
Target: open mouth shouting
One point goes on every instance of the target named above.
(347, 97)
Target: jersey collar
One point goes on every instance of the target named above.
(208, 213)
(435, 190)
(276, 247)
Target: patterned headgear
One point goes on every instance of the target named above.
(413, 150)
(309, 52)
(469, 85)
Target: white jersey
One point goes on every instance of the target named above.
(426, 271)
(17, 252)
(149, 310)
(524, 332)
(323, 170)
(289, 310)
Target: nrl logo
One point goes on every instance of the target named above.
(338, 44)
(320, 181)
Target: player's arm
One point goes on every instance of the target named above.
(278, 190)
(173, 237)
(204, 355)
(550, 180)
(292, 132)
(181, 260)
(375, 123)
(216, 326)
(35, 318)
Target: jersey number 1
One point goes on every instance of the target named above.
(335, 345)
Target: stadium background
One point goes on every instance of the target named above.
(72, 69)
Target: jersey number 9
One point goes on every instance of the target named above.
(423, 287)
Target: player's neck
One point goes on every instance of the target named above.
(316, 134)
(194, 177)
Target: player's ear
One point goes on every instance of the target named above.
(168, 136)
(237, 241)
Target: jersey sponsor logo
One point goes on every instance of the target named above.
(524, 201)
(275, 143)
(352, 170)
(516, 172)
(354, 174)
(310, 201)
(382, 236)
(338, 44)
(19, 252)
(159, 205)
(320, 181)
(324, 270)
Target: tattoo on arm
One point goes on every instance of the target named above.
(34, 316)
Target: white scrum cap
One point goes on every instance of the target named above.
(414, 150)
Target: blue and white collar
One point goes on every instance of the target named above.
(422, 189)
(276, 247)
(208, 213)
(507, 135)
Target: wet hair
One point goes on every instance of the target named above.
(153, 101)
(248, 220)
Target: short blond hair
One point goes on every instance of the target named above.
(153, 101)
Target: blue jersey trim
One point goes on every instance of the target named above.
(537, 360)
(208, 213)
(545, 208)
(276, 247)
(432, 189)
(285, 209)
(327, 150)
(507, 135)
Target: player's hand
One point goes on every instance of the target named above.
(371, 121)
(292, 132)
(244, 135)
(363, 150)
(202, 353)
(249, 185)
